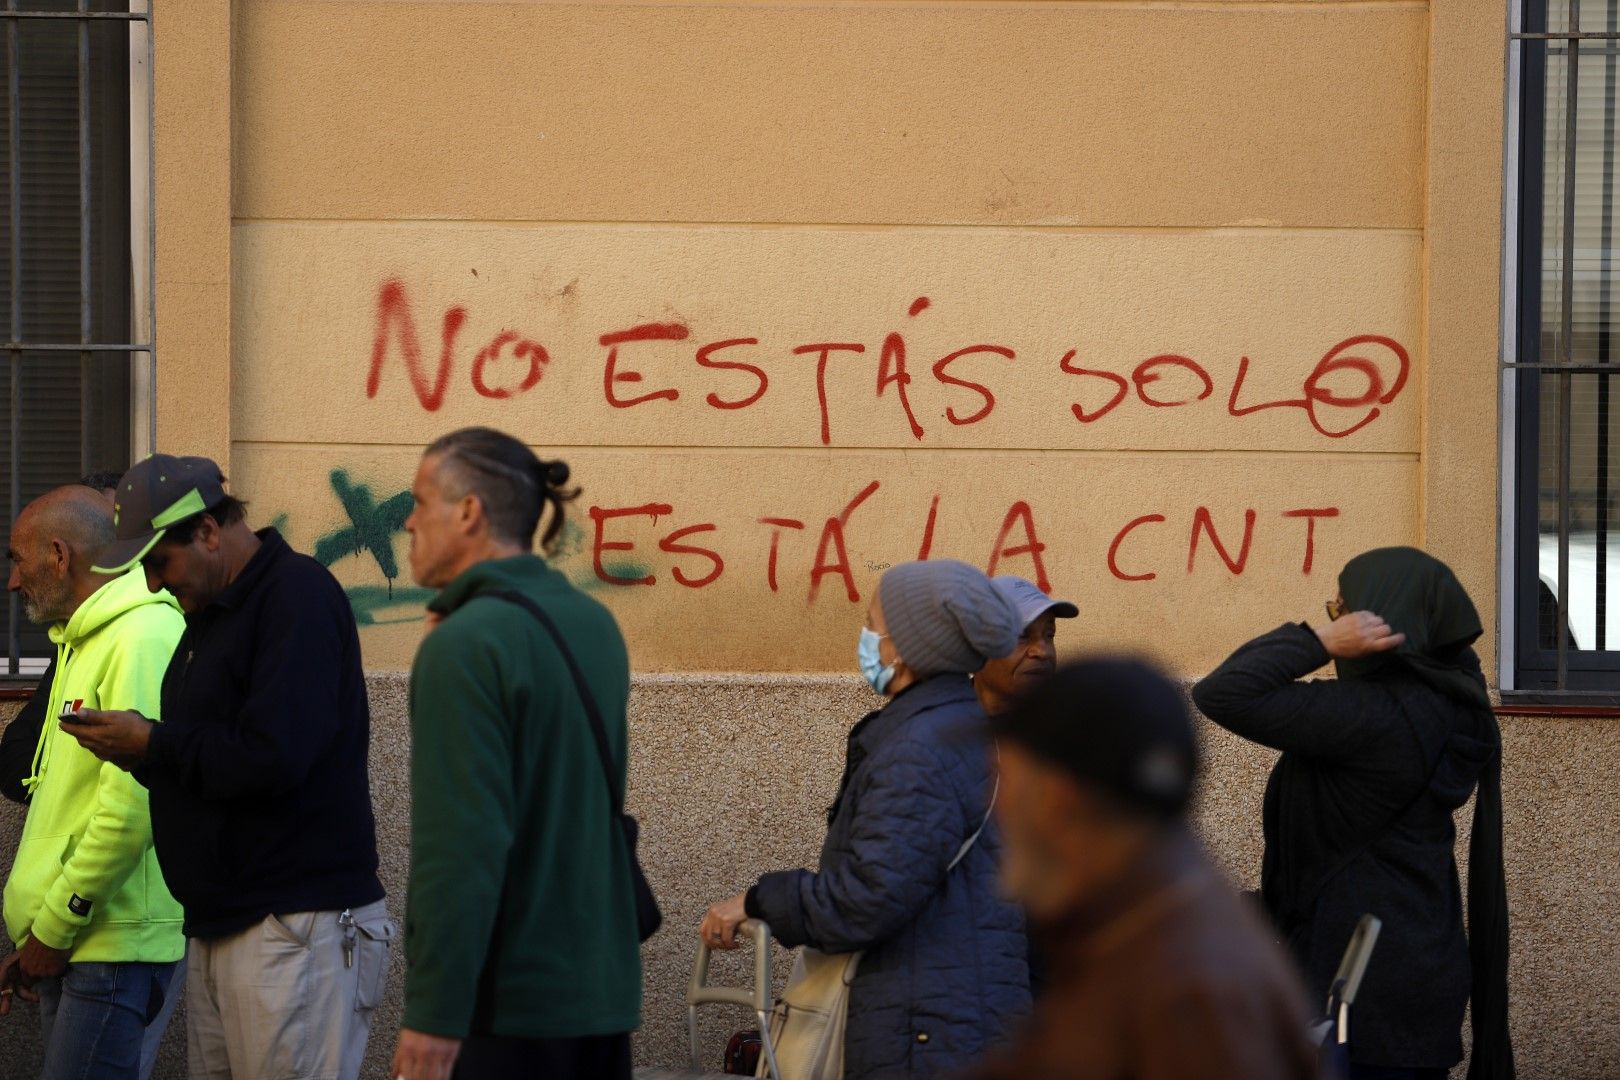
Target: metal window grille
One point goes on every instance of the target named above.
(1566, 57)
(77, 303)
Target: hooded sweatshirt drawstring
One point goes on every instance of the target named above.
(85, 879)
(115, 597)
(47, 733)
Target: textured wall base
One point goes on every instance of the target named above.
(731, 776)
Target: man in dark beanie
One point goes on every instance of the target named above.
(1158, 969)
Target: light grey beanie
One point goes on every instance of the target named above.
(945, 616)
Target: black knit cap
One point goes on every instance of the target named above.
(1116, 725)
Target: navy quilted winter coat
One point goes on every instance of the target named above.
(945, 973)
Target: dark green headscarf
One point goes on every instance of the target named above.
(1420, 597)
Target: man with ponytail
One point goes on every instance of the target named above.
(521, 940)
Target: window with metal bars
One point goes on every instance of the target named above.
(1564, 353)
(75, 258)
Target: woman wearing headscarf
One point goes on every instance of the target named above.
(908, 868)
(1358, 810)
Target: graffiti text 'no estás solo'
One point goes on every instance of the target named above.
(1342, 392)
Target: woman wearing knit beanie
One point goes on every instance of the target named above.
(908, 869)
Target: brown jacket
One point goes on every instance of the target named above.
(1167, 976)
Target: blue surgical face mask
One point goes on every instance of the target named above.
(871, 661)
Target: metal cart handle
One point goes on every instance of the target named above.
(759, 998)
(1352, 969)
(1347, 981)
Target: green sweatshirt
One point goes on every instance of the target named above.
(86, 878)
(518, 863)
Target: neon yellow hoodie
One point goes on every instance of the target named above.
(86, 877)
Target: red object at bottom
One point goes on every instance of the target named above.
(742, 1053)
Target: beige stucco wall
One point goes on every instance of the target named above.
(1067, 191)
(308, 315)
(1463, 223)
(878, 113)
(731, 777)
(191, 143)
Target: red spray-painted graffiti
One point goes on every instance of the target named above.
(665, 365)
(1346, 390)
(1016, 548)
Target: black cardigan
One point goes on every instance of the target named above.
(1358, 818)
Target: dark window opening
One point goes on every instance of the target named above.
(67, 275)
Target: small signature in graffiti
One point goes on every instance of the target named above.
(874, 566)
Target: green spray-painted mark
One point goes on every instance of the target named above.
(571, 541)
(369, 600)
(372, 526)
(587, 581)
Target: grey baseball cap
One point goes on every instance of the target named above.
(1027, 599)
(155, 494)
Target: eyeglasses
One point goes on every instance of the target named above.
(1335, 610)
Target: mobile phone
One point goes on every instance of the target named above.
(70, 711)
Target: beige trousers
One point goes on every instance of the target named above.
(282, 1000)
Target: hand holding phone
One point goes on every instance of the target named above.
(118, 736)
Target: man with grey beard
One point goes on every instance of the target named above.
(97, 934)
(21, 736)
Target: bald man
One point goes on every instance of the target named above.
(98, 935)
(21, 736)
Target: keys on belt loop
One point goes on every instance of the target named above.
(346, 920)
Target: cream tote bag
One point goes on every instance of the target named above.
(807, 1025)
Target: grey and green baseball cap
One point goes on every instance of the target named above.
(155, 494)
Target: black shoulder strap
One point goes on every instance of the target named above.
(591, 711)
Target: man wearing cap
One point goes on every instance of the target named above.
(261, 805)
(1159, 970)
(98, 934)
(1003, 679)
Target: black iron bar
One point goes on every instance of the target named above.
(86, 371)
(74, 347)
(13, 15)
(1600, 600)
(151, 231)
(1572, 75)
(14, 357)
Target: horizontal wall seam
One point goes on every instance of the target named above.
(1245, 6)
(1258, 229)
(853, 451)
